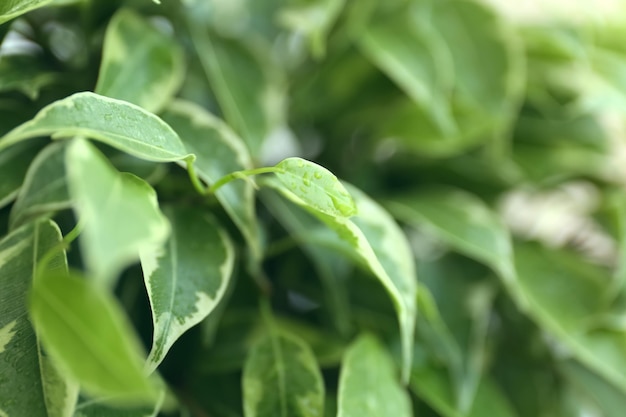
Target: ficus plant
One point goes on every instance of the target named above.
(305, 208)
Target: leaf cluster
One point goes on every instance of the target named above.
(311, 208)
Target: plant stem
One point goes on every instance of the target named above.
(240, 175)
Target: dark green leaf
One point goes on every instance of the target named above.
(29, 383)
(13, 8)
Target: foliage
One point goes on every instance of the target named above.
(174, 238)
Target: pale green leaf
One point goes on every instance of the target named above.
(95, 408)
(565, 296)
(117, 123)
(375, 241)
(281, 378)
(13, 8)
(29, 384)
(313, 20)
(86, 333)
(219, 151)
(609, 400)
(414, 56)
(247, 92)
(119, 211)
(316, 186)
(368, 384)
(432, 385)
(45, 186)
(139, 64)
(461, 220)
(187, 279)
(14, 163)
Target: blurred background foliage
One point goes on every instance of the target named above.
(473, 122)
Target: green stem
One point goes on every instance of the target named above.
(63, 245)
(195, 181)
(240, 175)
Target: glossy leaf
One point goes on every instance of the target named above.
(219, 151)
(120, 212)
(10, 9)
(376, 242)
(45, 186)
(186, 279)
(117, 123)
(317, 187)
(245, 90)
(85, 332)
(281, 378)
(312, 19)
(13, 165)
(139, 64)
(368, 384)
(29, 383)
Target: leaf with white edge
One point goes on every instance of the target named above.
(29, 384)
(14, 163)
(45, 186)
(463, 221)
(281, 378)
(117, 123)
(313, 19)
(10, 9)
(120, 212)
(86, 333)
(140, 64)
(219, 151)
(187, 279)
(316, 186)
(368, 384)
(245, 88)
(378, 244)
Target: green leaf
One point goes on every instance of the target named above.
(13, 165)
(312, 19)
(119, 211)
(117, 123)
(187, 279)
(376, 242)
(45, 186)
(94, 408)
(24, 73)
(433, 386)
(461, 220)
(86, 333)
(247, 92)
(316, 186)
(368, 385)
(609, 400)
(13, 8)
(565, 297)
(412, 55)
(139, 64)
(281, 377)
(219, 151)
(30, 384)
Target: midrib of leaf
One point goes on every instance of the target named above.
(22, 6)
(76, 327)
